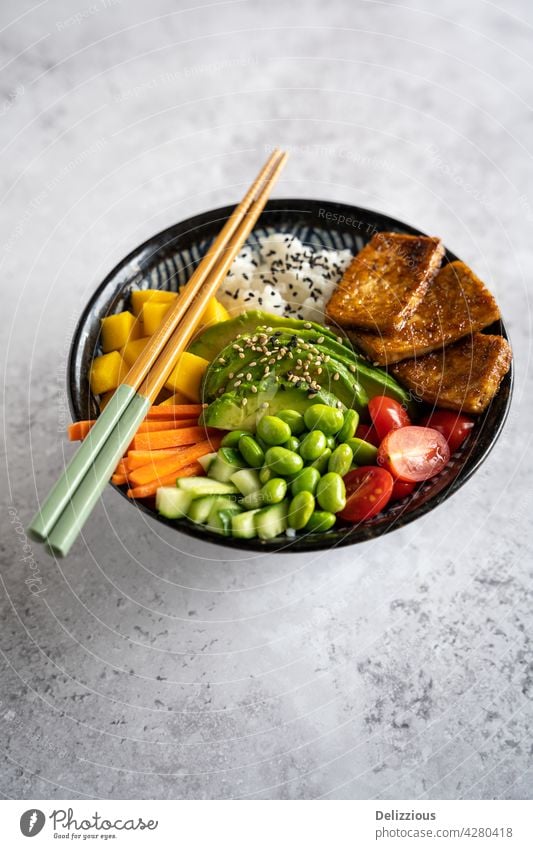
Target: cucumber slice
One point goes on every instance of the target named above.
(206, 460)
(225, 464)
(253, 500)
(172, 502)
(199, 510)
(246, 481)
(271, 521)
(220, 516)
(196, 487)
(243, 525)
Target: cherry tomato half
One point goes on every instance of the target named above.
(454, 426)
(368, 490)
(414, 453)
(401, 489)
(387, 414)
(368, 433)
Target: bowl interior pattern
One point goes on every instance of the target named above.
(166, 261)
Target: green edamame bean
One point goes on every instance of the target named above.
(292, 443)
(283, 462)
(331, 492)
(274, 491)
(319, 521)
(301, 509)
(340, 460)
(265, 474)
(321, 417)
(321, 465)
(364, 454)
(306, 481)
(294, 419)
(313, 445)
(351, 420)
(262, 443)
(273, 430)
(331, 442)
(251, 451)
(231, 439)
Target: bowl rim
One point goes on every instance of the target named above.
(311, 542)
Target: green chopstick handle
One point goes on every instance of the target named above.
(81, 503)
(59, 496)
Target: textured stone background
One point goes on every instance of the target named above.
(152, 665)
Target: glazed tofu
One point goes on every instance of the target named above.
(464, 376)
(385, 282)
(456, 304)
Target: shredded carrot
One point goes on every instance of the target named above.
(176, 411)
(172, 438)
(164, 466)
(150, 489)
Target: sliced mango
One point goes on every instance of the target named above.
(153, 316)
(107, 372)
(214, 313)
(117, 330)
(157, 296)
(187, 375)
(177, 398)
(133, 350)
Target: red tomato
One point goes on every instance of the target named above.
(368, 433)
(401, 489)
(414, 454)
(368, 490)
(454, 426)
(387, 414)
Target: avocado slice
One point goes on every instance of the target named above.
(209, 343)
(228, 412)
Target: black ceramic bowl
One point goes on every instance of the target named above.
(165, 261)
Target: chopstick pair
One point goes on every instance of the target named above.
(71, 500)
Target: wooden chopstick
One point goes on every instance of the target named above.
(182, 335)
(152, 350)
(72, 499)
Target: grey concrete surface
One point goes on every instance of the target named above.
(149, 665)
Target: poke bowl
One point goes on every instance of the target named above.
(165, 261)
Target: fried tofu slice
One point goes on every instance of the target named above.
(464, 376)
(456, 304)
(385, 282)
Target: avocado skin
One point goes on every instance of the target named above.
(228, 413)
(215, 338)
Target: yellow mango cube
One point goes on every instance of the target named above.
(117, 330)
(172, 400)
(132, 350)
(214, 313)
(186, 377)
(153, 316)
(107, 372)
(156, 296)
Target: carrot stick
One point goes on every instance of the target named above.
(149, 489)
(176, 411)
(119, 480)
(122, 468)
(166, 465)
(172, 438)
(135, 459)
(79, 430)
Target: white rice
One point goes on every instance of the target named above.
(283, 277)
